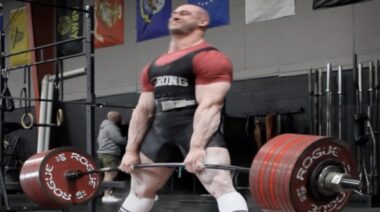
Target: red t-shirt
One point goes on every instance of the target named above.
(209, 66)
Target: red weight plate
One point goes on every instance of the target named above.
(281, 171)
(271, 167)
(323, 149)
(256, 181)
(269, 171)
(43, 180)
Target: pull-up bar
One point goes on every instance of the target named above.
(55, 5)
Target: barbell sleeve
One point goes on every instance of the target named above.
(340, 181)
(348, 183)
(73, 175)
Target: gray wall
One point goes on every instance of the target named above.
(285, 46)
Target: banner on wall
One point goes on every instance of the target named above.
(70, 26)
(152, 18)
(109, 23)
(332, 3)
(264, 10)
(219, 11)
(19, 37)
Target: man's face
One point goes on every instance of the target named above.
(184, 20)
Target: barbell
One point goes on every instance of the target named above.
(291, 172)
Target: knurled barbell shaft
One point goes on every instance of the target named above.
(345, 182)
(72, 175)
(206, 166)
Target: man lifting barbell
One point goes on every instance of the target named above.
(183, 93)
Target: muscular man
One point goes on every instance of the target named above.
(110, 144)
(180, 109)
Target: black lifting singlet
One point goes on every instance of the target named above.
(175, 80)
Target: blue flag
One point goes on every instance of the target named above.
(219, 11)
(152, 18)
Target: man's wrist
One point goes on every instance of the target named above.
(131, 150)
(197, 146)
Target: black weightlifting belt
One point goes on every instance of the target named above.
(171, 104)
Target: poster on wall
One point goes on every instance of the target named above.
(219, 11)
(265, 10)
(70, 26)
(332, 3)
(109, 23)
(19, 33)
(152, 18)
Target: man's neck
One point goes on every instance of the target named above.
(182, 42)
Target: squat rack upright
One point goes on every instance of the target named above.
(88, 43)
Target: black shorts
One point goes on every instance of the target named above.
(168, 138)
(109, 160)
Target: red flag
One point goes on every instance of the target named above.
(109, 23)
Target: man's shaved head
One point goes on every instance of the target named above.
(202, 13)
(187, 18)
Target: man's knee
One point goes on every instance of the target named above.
(220, 184)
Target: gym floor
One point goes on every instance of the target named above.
(165, 203)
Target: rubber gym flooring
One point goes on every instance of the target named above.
(165, 203)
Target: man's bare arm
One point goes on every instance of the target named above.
(140, 121)
(207, 116)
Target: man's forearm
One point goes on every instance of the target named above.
(138, 126)
(206, 123)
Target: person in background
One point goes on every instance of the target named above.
(110, 145)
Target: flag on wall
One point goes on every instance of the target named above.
(263, 10)
(152, 18)
(332, 3)
(219, 11)
(19, 37)
(109, 23)
(70, 26)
